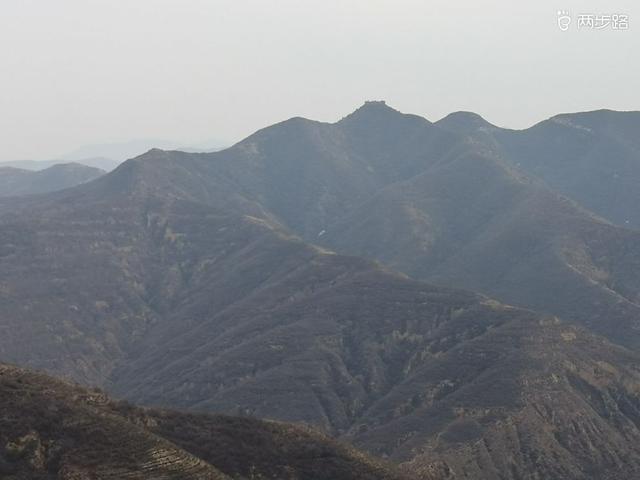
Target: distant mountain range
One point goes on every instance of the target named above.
(284, 278)
(121, 151)
(16, 181)
(100, 163)
(108, 156)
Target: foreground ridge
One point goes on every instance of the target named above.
(51, 429)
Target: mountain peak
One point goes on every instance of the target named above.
(153, 152)
(374, 112)
(464, 122)
(373, 107)
(72, 166)
(375, 104)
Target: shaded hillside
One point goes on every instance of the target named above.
(172, 301)
(16, 181)
(591, 157)
(306, 173)
(244, 447)
(52, 430)
(450, 208)
(521, 400)
(477, 223)
(235, 316)
(55, 430)
(447, 208)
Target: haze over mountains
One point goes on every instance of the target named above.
(100, 163)
(17, 181)
(108, 156)
(121, 151)
(247, 281)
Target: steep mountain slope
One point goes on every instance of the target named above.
(15, 181)
(591, 157)
(173, 301)
(51, 430)
(516, 402)
(167, 300)
(477, 223)
(308, 173)
(445, 207)
(55, 430)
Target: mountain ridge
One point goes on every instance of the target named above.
(17, 181)
(57, 430)
(220, 282)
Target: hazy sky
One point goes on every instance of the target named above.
(75, 72)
